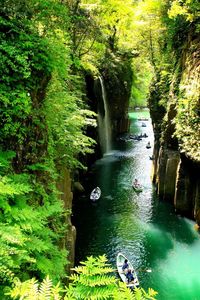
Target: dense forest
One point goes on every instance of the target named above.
(47, 49)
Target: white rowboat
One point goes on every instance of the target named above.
(95, 194)
(120, 260)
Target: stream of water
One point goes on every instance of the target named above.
(145, 229)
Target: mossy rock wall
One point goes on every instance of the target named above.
(68, 242)
(177, 143)
(117, 74)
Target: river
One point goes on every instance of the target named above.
(145, 229)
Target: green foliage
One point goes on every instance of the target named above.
(29, 235)
(44, 121)
(101, 26)
(67, 120)
(176, 83)
(92, 281)
(22, 56)
(5, 158)
(190, 9)
(43, 125)
(141, 82)
(30, 39)
(149, 30)
(187, 120)
(10, 187)
(31, 290)
(139, 293)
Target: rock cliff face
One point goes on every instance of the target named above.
(68, 242)
(167, 164)
(177, 137)
(187, 194)
(117, 75)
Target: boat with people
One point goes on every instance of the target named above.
(123, 272)
(148, 146)
(95, 194)
(144, 124)
(138, 137)
(137, 186)
(135, 137)
(143, 135)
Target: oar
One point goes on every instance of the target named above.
(146, 270)
(138, 270)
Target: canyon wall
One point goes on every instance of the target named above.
(68, 242)
(177, 135)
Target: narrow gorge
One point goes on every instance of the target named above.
(77, 80)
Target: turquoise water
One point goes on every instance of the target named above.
(145, 229)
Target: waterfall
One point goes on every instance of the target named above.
(104, 125)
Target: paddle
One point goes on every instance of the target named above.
(147, 270)
(138, 270)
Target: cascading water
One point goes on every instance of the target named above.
(104, 125)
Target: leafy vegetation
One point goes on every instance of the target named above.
(27, 240)
(92, 280)
(45, 47)
(43, 123)
(187, 118)
(141, 82)
(175, 90)
(188, 115)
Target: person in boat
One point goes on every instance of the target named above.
(129, 276)
(148, 145)
(125, 266)
(136, 183)
(96, 191)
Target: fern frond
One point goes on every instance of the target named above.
(94, 280)
(152, 293)
(55, 291)
(140, 293)
(123, 292)
(93, 293)
(83, 287)
(25, 290)
(45, 289)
